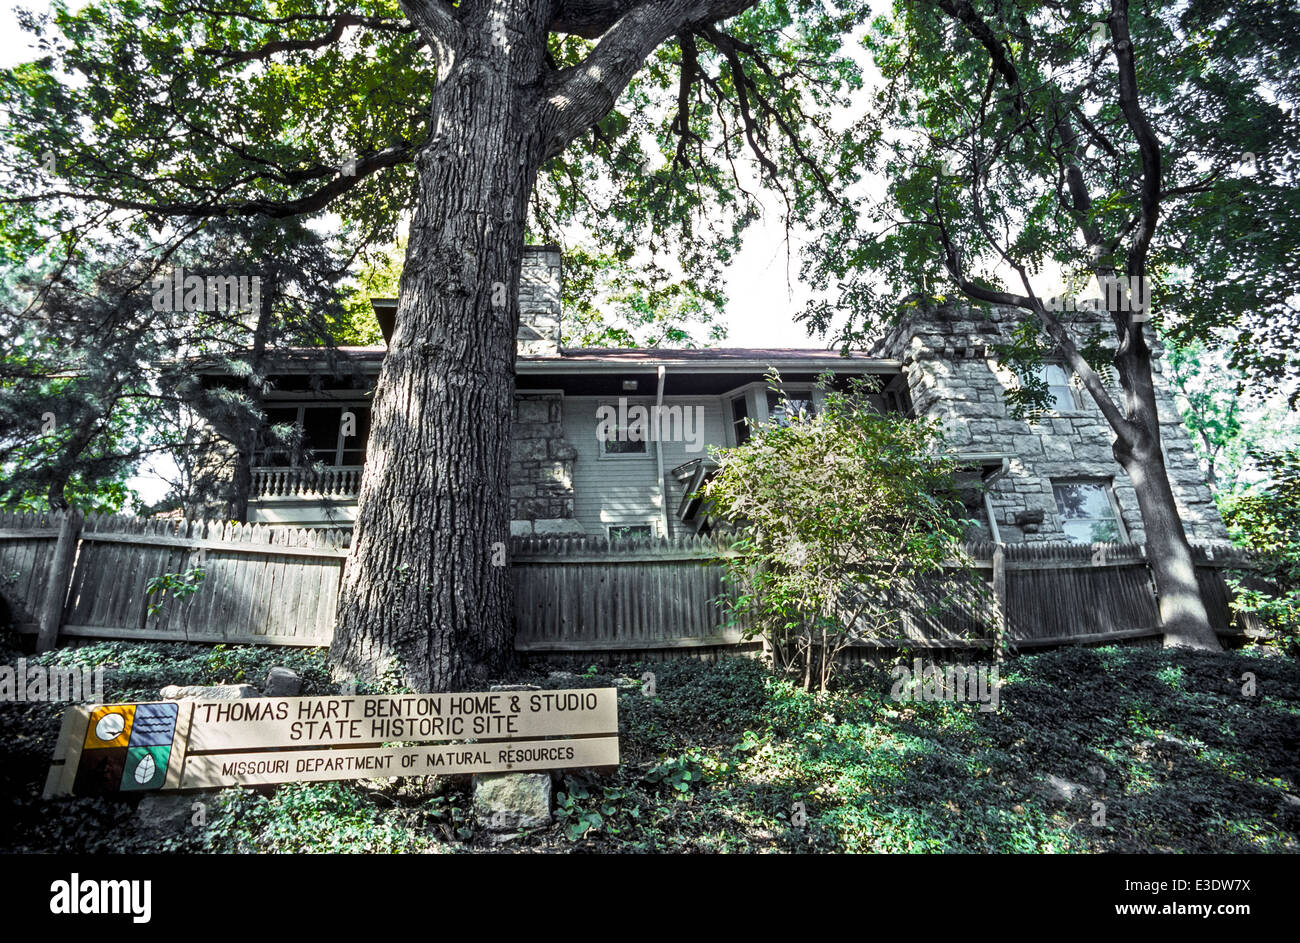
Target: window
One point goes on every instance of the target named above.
(621, 444)
(1060, 394)
(279, 451)
(630, 531)
(623, 428)
(322, 426)
(739, 415)
(979, 526)
(355, 433)
(784, 405)
(332, 434)
(1088, 512)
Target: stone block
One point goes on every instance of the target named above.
(282, 682)
(533, 509)
(522, 450)
(533, 411)
(506, 802)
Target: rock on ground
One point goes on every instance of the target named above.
(282, 682)
(507, 802)
(1057, 789)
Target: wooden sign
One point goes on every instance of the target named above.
(121, 748)
(332, 721)
(291, 766)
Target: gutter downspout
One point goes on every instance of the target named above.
(659, 449)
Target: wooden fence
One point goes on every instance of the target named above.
(88, 578)
(65, 577)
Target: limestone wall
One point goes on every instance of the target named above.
(541, 468)
(952, 375)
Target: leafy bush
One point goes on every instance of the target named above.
(180, 585)
(849, 517)
(1266, 523)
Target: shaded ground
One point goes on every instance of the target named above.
(726, 757)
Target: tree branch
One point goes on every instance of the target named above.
(579, 96)
(1031, 303)
(1148, 144)
(437, 23)
(962, 11)
(277, 209)
(341, 23)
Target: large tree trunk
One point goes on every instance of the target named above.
(1183, 615)
(421, 595)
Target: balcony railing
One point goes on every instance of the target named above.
(338, 481)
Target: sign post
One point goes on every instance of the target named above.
(168, 745)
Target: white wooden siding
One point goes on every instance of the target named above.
(625, 490)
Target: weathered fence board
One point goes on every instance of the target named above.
(589, 595)
(27, 546)
(279, 586)
(258, 584)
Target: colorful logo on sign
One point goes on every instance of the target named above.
(127, 748)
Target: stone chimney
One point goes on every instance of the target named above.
(539, 302)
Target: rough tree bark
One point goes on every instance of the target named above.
(420, 585)
(246, 439)
(421, 594)
(1184, 618)
(1183, 614)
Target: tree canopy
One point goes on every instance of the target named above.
(1021, 142)
(142, 113)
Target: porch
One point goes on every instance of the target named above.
(304, 496)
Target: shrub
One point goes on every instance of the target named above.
(1267, 524)
(848, 516)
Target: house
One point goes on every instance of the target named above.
(581, 463)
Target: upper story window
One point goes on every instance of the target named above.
(739, 418)
(329, 434)
(1061, 394)
(1088, 512)
(784, 405)
(623, 428)
(757, 403)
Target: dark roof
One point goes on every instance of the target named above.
(637, 353)
(660, 354)
(610, 360)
